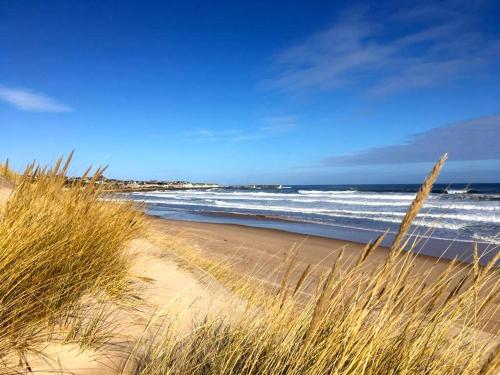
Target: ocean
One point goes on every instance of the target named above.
(453, 217)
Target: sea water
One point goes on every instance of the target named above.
(453, 217)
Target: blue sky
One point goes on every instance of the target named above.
(254, 92)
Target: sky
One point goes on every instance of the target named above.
(244, 92)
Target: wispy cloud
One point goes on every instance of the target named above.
(475, 139)
(279, 124)
(271, 127)
(27, 100)
(362, 51)
(209, 135)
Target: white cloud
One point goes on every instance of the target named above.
(272, 127)
(26, 100)
(361, 50)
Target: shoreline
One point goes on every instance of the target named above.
(251, 231)
(257, 245)
(272, 218)
(433, 247)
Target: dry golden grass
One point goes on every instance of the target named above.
(350, 327)
(61, 248)
(59, 243)
(390, 320)
(8, 174)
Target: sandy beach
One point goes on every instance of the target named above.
(178, 287)
(247, 246)
(259, 252)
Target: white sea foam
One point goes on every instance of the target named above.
(367, 215)
(457, 191)
(325, 192)
(495, 240)
(449, 212)
(377, 214)
(357, 194)
(322, 195)
(441, 205)
(295, 198)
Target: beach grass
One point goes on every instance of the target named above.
(8, 176)
(62, 248)
(389, 319)
(388, 322)
(60, 244)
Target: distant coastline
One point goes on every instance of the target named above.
(117, 185)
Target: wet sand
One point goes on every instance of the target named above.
(256, 244)
(253, 249)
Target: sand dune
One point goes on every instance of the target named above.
(168, 291)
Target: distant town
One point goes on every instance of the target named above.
(113, 184)
(117, 185)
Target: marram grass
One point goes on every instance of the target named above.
(59, 243)
(391, 322)
(7, 174)
(393, 319)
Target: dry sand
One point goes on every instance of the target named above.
(260, 253)
(169, 291)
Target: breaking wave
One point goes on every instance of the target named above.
(468, 214)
